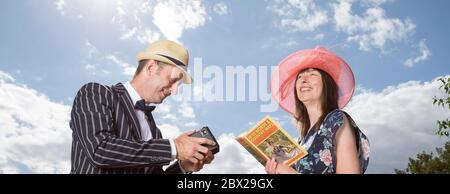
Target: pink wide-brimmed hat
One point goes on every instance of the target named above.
(283, 79)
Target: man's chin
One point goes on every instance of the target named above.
(160, 100)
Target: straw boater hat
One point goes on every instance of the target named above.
(283, 80)
(168, 52)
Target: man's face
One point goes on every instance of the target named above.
(164, 81)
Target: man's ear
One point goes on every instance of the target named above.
(151, 67)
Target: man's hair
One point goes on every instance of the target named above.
(144, 62)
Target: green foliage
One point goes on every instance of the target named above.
(444, 102)
(428, 164)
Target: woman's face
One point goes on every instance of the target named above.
(309, 86)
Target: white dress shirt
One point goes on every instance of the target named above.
(146, 134)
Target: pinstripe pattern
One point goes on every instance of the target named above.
(106, 135)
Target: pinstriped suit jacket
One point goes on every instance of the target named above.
(106, 135)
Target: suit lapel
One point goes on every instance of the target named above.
(156, 133)
(128, 106)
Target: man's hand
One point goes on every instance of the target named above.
(209, 158)
(190, 148)
(189, 166)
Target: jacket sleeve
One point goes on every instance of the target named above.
(172, 169)
(93, 120)
(175, 168)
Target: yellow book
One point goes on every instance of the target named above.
(268, 140)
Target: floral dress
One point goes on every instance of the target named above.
(320, 144)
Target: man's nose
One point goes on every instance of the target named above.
(174, 89)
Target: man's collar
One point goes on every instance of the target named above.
(133, 93)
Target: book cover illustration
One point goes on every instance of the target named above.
(268, 140)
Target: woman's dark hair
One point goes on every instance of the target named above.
(329, 102)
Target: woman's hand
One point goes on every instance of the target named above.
(272, 167)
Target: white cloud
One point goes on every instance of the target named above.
(143, 20)
(132, 18)
(424, 55)
(147, 36)
(128, 69)
(319, 36)
(97, 62)
(220, 8)
(105, 72)
(298, 15)
(91, 67)
(169, 131)
(205, 91)
(232, 159)
(197, 91)
(5, 77)
(373, 29)
(114, 59)
(186, 110)
(91, 49)
(128, 34)
(290, 43)
(191, 124)
(279, 42)
(163, 108)
(374, 2)
(400, 122)
(170, 117)
(369, 28)
(174, 16)
(60, 4)
(120, 10)
(34, 131)
(66, 9)
(93, 60)
(182, 115)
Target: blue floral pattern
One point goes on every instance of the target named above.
(320, 144)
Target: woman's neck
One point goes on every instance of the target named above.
(314, 112)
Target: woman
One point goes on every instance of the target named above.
(313, 85)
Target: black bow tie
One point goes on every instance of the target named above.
(140, 105)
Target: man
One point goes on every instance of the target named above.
(113, 130)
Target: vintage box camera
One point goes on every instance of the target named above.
(206, 133)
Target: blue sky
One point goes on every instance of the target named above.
(49, 49)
